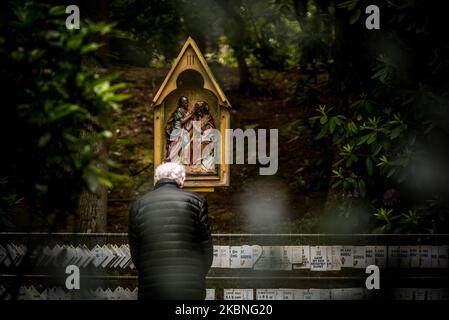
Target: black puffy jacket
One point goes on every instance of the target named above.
(170, 242)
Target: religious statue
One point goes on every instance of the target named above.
(191, 116)
(178, 141)
(204, 123)
(181, 128)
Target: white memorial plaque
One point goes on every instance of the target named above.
(296, 255)
(380, 254)
(109, 295)
(370, 255)
(265, 259)
(34, 294)
(117, 294)
(235, 257)
(127, 257)
(225, 256)
(286, 260)
(335, 258)
(210, 294)
(318, 260)
(128, 295)
(109, 256)
(329, 258)
(257, 254)
(271, 294)
(346, 257)
(297, 294)
(135, 293)
(248, 294)
(238, 294)
(287, 294)
(216, 262)
(72, 254)
(393, 256)
(443, 256)
(129, 263)
(305, 263)
(403, 294)
(359, 257)
(279, 294)
(337, 294)
(78, 256)
(228, 294)
(308, 294)
(99, 256)
(246, 257)
(420, 294)
(325, 294)
(434, 256)
(425, 259)
(275, 257)
(266, 294)
(119, 254)
(316, 293)
(404, 256)
(414, 257)
(261, 294)
(355, 293)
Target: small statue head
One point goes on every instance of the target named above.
(201, 108)
(183, 102)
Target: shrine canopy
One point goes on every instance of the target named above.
(190, 58)
(191, 77)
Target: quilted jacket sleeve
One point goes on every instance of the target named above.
(205, 236)
(133, 235)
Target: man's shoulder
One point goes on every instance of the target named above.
(186, 194)
(157, 193)
(179, 112)
(193, 195)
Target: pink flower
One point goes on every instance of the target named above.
(390, 197)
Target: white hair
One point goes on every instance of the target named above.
(170, 170)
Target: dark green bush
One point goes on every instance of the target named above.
(388, 144)
(56, 110)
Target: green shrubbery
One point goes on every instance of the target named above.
(388, 143)
(55, 112)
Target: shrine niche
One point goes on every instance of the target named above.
(190, 112)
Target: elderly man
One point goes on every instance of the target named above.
(170, 239)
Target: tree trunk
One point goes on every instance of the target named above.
(300, 7)
(349, 65)
(243, 73)
(236, 28)
(92, 206)
(92, 211)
